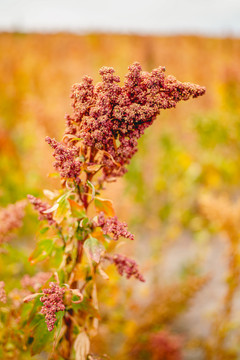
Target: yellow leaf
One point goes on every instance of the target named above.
(98, 234)
(82, 346)
(93, 168)
(104, 205)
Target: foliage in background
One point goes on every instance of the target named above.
(189, 176)
(190, 156)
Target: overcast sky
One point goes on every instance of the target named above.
(208, 17)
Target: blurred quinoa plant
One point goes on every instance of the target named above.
(224, 213)
(11, 219)
(79, 229)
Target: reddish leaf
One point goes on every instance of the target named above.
(76, 209)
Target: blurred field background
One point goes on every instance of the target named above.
(179, 196)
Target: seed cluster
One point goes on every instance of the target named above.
(3, 296)
(112, 118)
(112, 225)
(67, 164)
(11, 219)
(52, 302)
(127, 266)
(40, 207)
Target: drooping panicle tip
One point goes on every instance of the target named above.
(48, 140)
(202, 90)
(112, 118)
(136, 67)
(106, 70)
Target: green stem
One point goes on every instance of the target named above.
(61, 234)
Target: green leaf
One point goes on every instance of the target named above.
(74, 138)
(92, 187)
(51, 209)
(44, 230)
(62, 208)
(25, 311)
(58, 326)
(94, 249)
(64, 196)
(61, 276)
(35, 308)
(56, 256)
(43, 249)
(41, 336)
(84, 222)
(86, 306)
(54, 175)
(81, 158)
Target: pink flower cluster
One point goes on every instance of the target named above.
(67, 164)
(36, 281)
(40, 207)
(3, 296)
(52, 302)
(11, 219)
(126, 266)
(113, 226)
(111, 118)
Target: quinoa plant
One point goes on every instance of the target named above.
(79, 229)
(224, 330)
